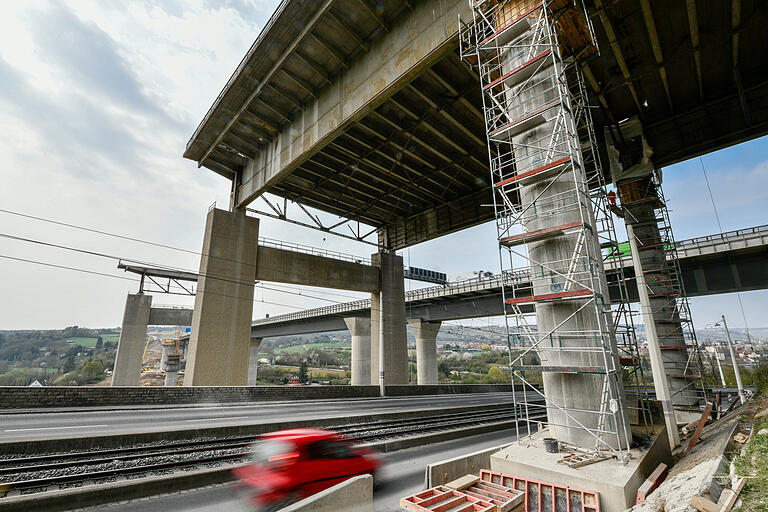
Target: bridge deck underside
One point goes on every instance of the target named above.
(416, 163)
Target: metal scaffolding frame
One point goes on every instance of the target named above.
(549, 189)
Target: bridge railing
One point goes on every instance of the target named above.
(315, 251)
(488, 283)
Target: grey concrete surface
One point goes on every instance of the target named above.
(288, 266)
(133, 339)
(170, 316)
(360, 331)
(388, 321)
(353, 495)
(426, 349)
(61, 425)
(402, 475)
(220, 338)
(253, 361)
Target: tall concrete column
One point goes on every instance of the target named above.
(360, 330)
(133, 339)
(253, 361)
(388, 318)
(573, 399)
(221, 322)
(426, 349)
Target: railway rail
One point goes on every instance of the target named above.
(38, 474)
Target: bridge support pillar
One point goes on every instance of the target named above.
(360, 330)
(221, 322)
(253, 361)
(426, 349)
(388, 338)
(133, 339)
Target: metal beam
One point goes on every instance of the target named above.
(614, 44)
(735, 27)
(693, 27)
(275, 67)
(656, 47)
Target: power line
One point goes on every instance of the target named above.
(123, 237)
(120, 258)
(93, 272)
(720, 227)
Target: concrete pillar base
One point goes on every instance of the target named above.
(426, 349)
(617, 483)
(360, 330)
(221, 323)
(133, 339)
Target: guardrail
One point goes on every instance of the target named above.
(315, 251)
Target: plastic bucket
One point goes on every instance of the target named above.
(551, 445)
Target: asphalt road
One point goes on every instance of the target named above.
(102, 421)
(402, 476)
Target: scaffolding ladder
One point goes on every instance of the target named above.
(552, 214)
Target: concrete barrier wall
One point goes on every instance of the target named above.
(449, 470)
(12, 397)
(353, 495)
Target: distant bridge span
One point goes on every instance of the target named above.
(721, 263)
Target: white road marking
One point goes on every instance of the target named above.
(51, 428)
(222, 418)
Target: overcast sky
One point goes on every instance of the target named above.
(97, 102)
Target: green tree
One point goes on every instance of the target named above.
(92, 369)
(497, 376)
(303, 371)
(69, 365)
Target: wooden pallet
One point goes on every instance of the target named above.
(440, 498)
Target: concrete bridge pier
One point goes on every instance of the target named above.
(253, 361)
(426, 349)
(133, 339)
(360, 330)
(388, 322)
(219, 345)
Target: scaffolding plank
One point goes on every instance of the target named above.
(522, 72)
(539, 234)
(550, 297)
(525, 122)
(561, 369)
(540, 173)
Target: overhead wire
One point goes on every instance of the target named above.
(720, 227)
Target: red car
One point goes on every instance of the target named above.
(290, 465)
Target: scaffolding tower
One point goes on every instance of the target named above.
(645, 210)
(554, 225)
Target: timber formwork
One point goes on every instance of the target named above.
(553, 216)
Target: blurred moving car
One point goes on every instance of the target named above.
(290, 465)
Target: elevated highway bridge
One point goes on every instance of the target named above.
(720, 263)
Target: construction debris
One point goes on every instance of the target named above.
(702, 422)
(727, 499)
(651, 483)
(741, 438)
(576, 461)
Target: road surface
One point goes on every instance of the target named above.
(402, 476)
(44, 424)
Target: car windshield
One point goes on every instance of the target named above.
(273, 451)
